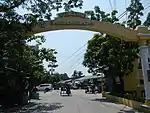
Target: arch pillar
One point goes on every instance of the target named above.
(144, 41)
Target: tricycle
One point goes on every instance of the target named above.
(65, 90)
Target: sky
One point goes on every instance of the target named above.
(67, 42)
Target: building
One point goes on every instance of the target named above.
(134, 82)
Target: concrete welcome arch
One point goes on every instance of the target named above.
(79, 21)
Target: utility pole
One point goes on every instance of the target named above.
(52, 64)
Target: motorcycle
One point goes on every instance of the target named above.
(90, 89)
(87, 90)
(68, 92)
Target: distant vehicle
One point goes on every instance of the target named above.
(44, 87)
(74, 87)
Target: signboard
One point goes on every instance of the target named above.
(72, 13)
(69, 22)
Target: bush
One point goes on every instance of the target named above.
(129, 96)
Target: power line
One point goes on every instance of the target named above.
(79, 56)
(121, 15)
(74, 53)
(125, 12)
(77, 60)
(80, 53)
(143, 10)
(114, 2)
(62, 63)
(147, 4)
(73, 68)
(110, 5)
(146, 8)
(76, 65)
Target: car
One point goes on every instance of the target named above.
(44, 87)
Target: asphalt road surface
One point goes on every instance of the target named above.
(79, 102)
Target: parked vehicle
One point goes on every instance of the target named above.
(68, 91)
(44, 87)
(65, 89)
(88, 89)
(91, 89)
(56, 86)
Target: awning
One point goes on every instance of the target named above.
(88, 77)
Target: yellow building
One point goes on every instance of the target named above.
(134, 82)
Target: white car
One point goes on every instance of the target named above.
(44, 87)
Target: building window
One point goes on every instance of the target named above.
(140, 65)
(149, 60)
(141, 82)
(148, 75)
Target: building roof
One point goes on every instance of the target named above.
(65, 81)
(89, 77)
(83, 78)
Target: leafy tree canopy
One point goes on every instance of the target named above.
(110, 54)
(14, 51)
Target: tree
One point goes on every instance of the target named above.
(15, 54)
(147, 21)
(99, 15)
(135, 12)
(64, 76)
(112, 56)
(80, 73)
(55, 77)
(42, 8)
(48, 55)
(77, 74)
(14, 27)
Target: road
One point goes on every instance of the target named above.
(79, 102)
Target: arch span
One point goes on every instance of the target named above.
(78, 22)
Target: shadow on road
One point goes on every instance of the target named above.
(66, 95)
(103, 100)
(36, 108)
(127, 111)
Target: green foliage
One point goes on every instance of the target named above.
(14, 27)
(147, 21)
(54, 78)
(40, 8)
(17, 59)
(135, 12)
(77, 74)
(64, 76)
(99, 15)
(109, 54)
